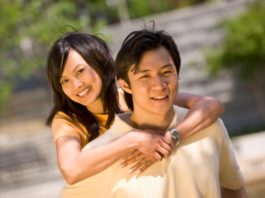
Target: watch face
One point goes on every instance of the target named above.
(175, 136)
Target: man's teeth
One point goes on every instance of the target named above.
(159, 97)
(83, 93)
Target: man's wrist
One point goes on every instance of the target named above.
(175, 135)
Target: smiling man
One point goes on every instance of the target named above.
(203, 165)
(153, 87)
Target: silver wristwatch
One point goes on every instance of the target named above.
(175, 136)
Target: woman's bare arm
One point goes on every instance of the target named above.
(203, 111)
(76, 164)
(239, 193)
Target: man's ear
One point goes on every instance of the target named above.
(125, 86)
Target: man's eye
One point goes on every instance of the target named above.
(144, 76)
(167, 72)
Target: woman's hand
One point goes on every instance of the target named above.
(137, 161)
(151, 147)
(204, 111)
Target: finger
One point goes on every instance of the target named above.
(137, 166)
(130, 161)
(168, 139)
(144, 167)
(140, 166)
(163, 152)
(157, 156)
(134, 152)
(166, 146)
(132, 158)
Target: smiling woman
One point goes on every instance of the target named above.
(81, 83)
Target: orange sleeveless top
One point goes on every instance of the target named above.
(63, 125)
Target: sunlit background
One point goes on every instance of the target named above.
(222, 45)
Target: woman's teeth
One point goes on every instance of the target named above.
(83, 93)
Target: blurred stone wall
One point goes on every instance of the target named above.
(195, 29)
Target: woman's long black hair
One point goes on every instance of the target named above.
(97, 54)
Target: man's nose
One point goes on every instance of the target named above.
(158, 82)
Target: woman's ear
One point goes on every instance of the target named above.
(125, 86)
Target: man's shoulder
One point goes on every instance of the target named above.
(180, 112)
(118, 128)
(120, 122)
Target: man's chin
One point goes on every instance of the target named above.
(163, 111)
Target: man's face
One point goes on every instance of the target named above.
(155, 85)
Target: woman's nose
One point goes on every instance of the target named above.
(77, 84)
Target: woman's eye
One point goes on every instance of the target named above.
(80, 71)
(64, 82)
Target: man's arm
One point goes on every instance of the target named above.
(239, 193)
(204, 111)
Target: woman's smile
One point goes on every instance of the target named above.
(81, 83)
(84, 92)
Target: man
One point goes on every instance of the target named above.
(203, 165)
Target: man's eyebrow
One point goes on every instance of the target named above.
(143, 71)
(167, 65)
(163, 67)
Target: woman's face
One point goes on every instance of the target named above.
(81, 83)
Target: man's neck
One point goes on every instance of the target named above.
(144, 120)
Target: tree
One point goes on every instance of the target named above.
(243, 49)
(28, 27)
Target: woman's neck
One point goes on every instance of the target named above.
(96, 107)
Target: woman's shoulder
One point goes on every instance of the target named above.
(61, 115)
(61, 118)
(64, 125)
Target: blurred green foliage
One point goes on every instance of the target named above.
(29, 27)
(139, 8)
(243, 48)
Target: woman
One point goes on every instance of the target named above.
(81, 73)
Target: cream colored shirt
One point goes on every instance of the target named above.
(197, 167)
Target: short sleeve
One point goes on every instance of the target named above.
(230, 174)
(62, 126)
